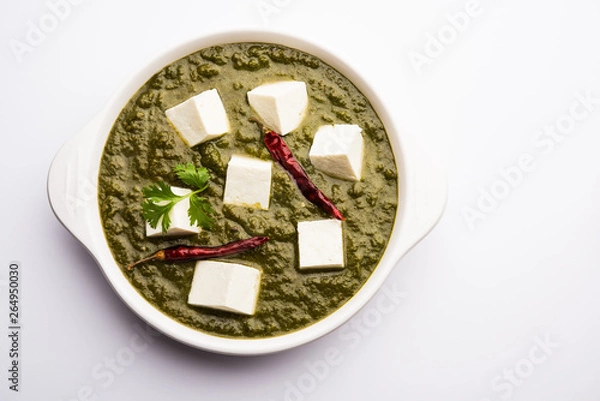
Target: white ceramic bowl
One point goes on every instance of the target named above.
(72, 190)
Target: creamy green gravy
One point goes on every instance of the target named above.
(143, 148)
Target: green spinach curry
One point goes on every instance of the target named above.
(143, 147)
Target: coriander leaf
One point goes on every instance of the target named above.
(199, 212)
(159, 199)
(154, 212)
(158, 202)
(160, 192)
(196, 177)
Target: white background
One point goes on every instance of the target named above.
(475, 301)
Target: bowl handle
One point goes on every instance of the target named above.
(72, 189)
(426, 206)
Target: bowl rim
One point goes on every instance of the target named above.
(89, 229)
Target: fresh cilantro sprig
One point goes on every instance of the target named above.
(159, 199)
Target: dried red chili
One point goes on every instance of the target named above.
(182, 253)
(284, 156)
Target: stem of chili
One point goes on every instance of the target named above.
(284, 156)
(183, 253)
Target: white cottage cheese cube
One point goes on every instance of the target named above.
(321, 244)
(337, 150)
(248, 182)
(200, 118)
(180, 221)
(280, 105)
(226, 286)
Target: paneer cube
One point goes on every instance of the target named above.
(321, 244)
(200, 118)
(225, 286)
(248, 182)
(180, 221)
(280, 105)
(337, 150)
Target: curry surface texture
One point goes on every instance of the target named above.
(143, 148)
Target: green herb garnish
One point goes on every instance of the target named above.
(159, 199)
